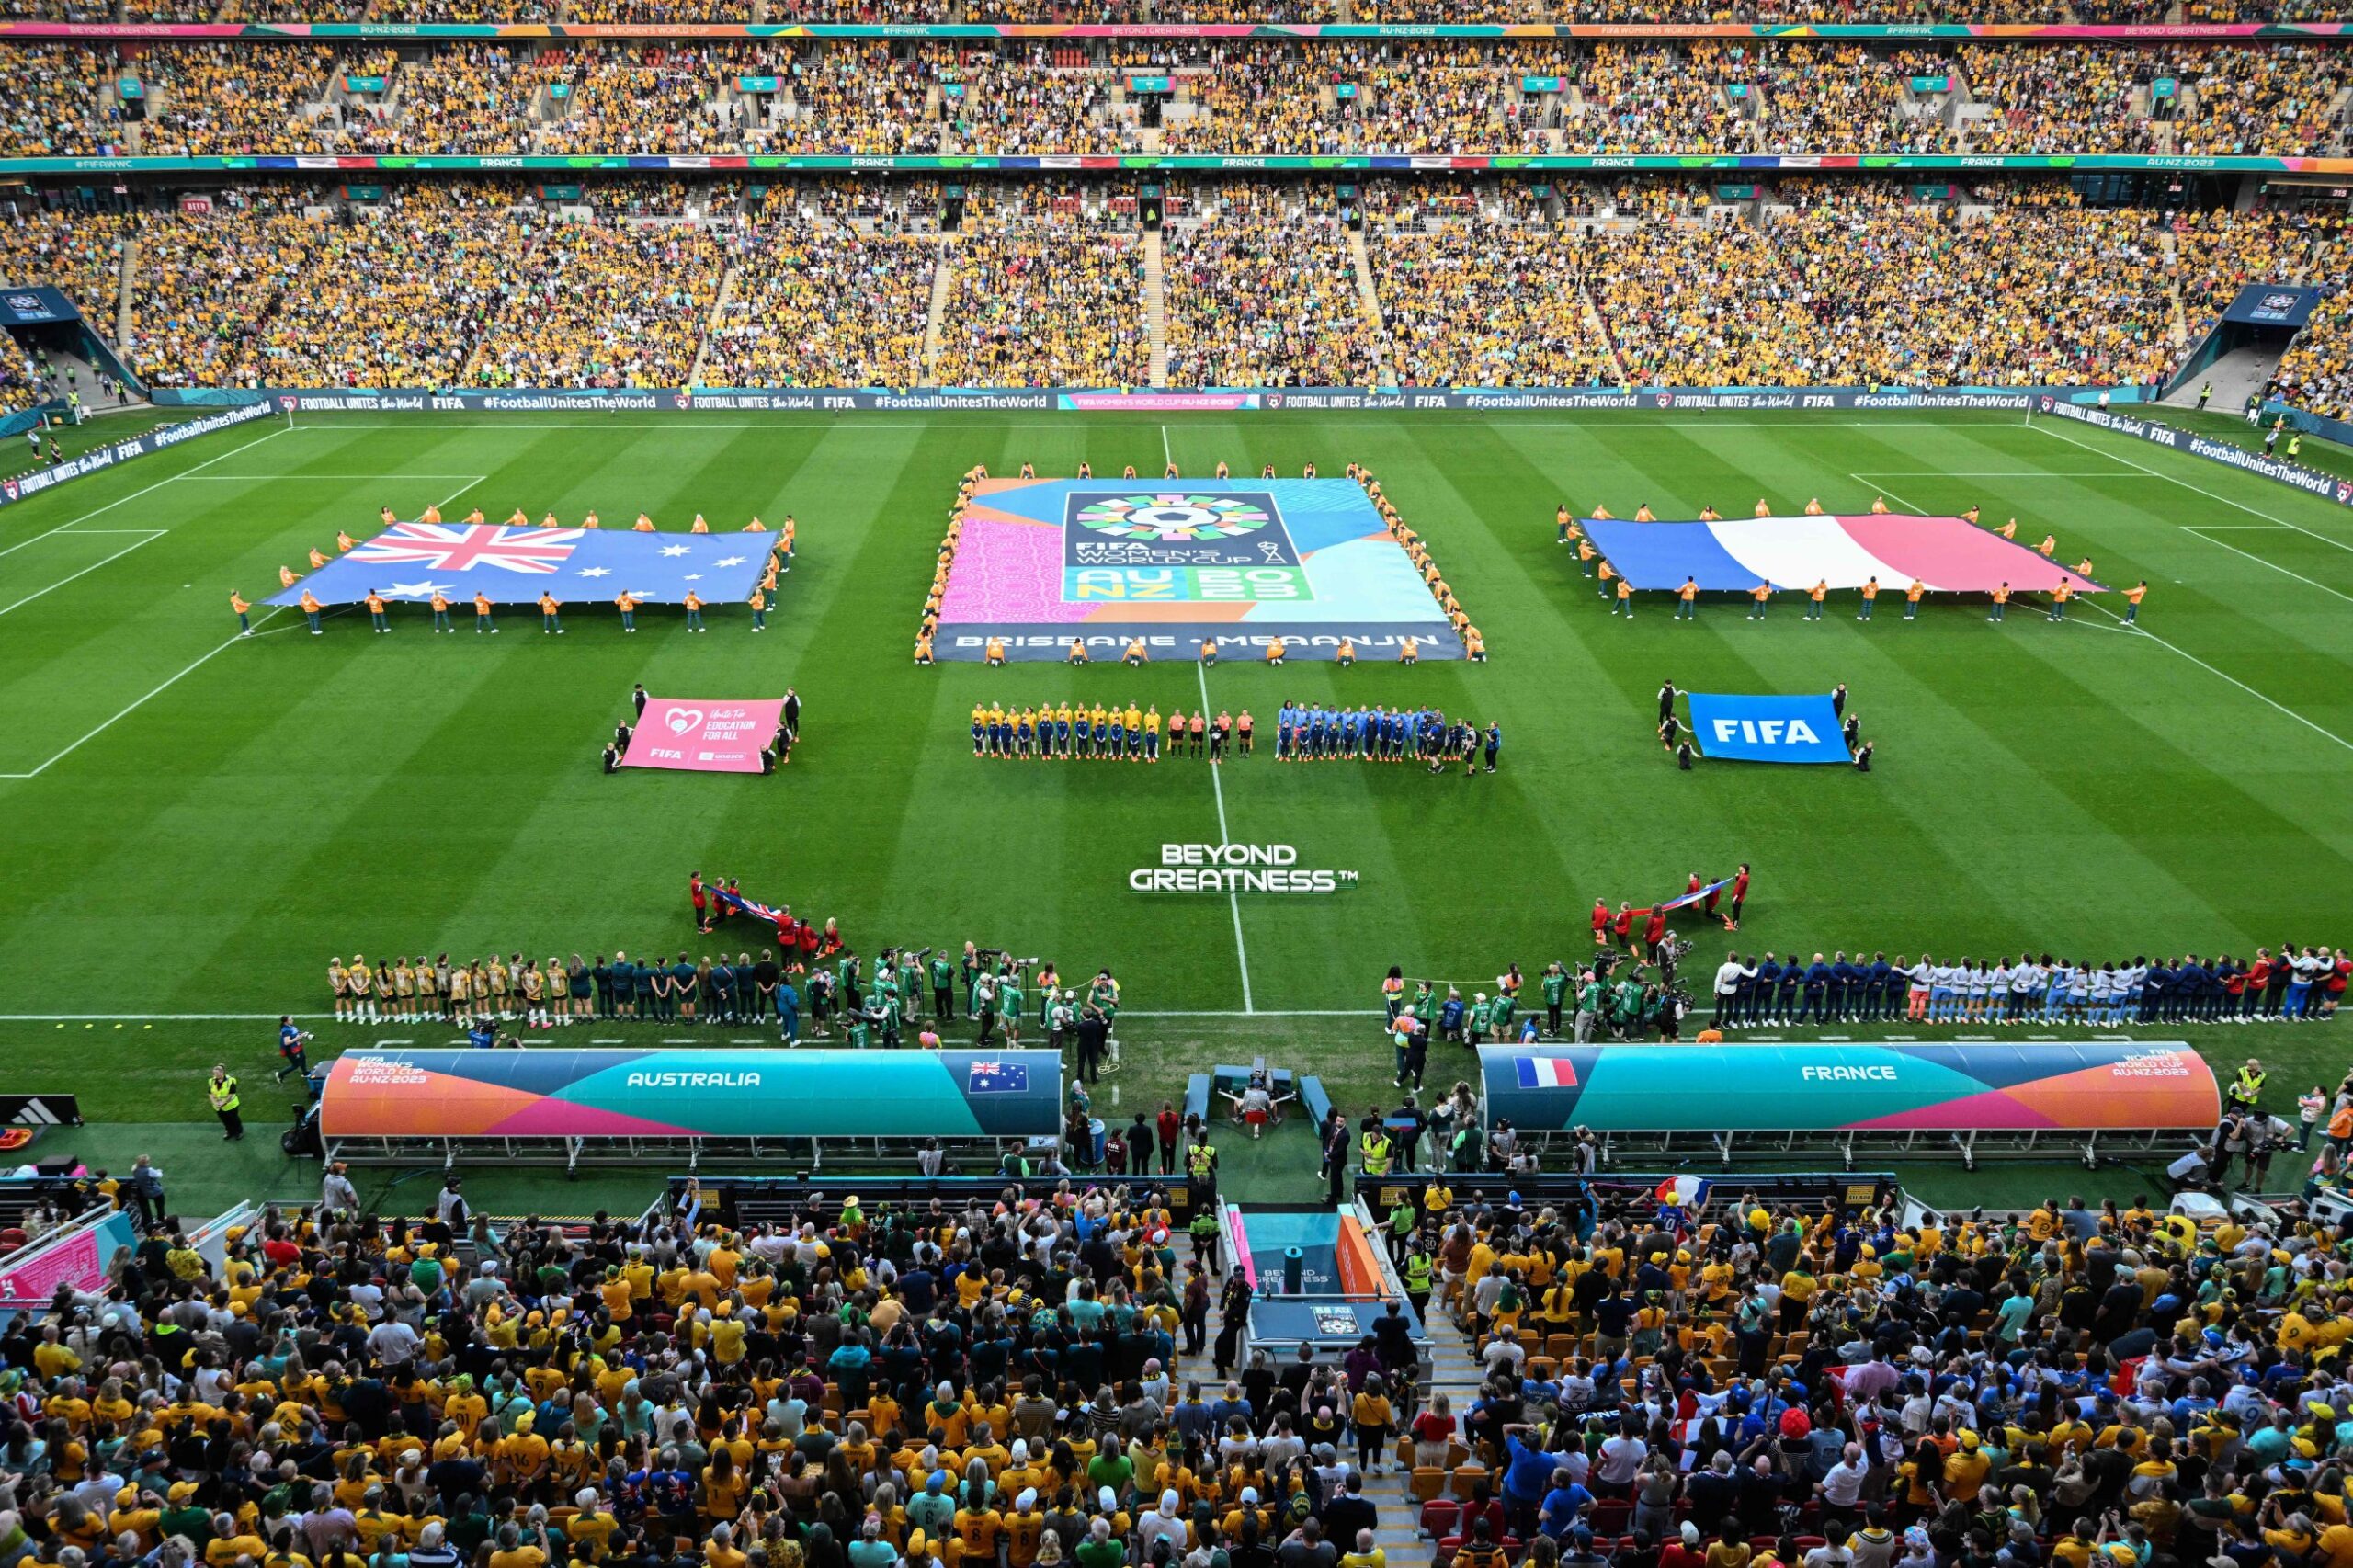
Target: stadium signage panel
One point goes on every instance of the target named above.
(2310, 481)
(162, 438)
(2035, 1085)
(678, 1093)
(1236, 867)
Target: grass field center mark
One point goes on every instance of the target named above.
(2235, 550)
(1232, 899)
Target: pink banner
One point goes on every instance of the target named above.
(703, 734)
(78, 1261)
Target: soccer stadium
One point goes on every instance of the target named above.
(1176, 784)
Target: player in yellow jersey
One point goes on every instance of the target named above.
(1152, 734)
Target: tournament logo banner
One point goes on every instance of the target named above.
(1043, 563)
(1170, 546)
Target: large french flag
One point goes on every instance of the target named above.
(1734, 554)
(1546, 1072)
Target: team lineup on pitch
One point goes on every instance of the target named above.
(476, 753)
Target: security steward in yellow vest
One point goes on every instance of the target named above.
(2246, 1088)
(222, 1090)
(1373, 1149)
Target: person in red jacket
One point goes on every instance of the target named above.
(1653, 930)
(1601, 924)
(1739, 894)
(1622, 924)
(702, 904)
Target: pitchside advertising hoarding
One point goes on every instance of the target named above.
(1880, 1088)
(683, 1092)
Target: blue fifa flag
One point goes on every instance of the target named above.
(1767, 729)
(516, 565)
(998, 1078)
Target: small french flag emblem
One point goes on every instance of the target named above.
(1546, 1072)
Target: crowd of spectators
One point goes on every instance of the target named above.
(469, 99)
(463, 11)
(2059, 97)
(1652, 97)
(2261, 102)
(1702, 306)
(218, 99)
(606, 305)
(78, 252)
(1241, 97)
(661, 97)
(862, 99)
(58, 99)
(2316, 373)
(1834, 280)
(1021, 105)
(1482, 303)
(2031, 293)
(1840, 98)
(2216, 252)
(824, 305)
(1414, 107)
(1255, 98)
(1263, 292)
(1049, 304)
(208, 283)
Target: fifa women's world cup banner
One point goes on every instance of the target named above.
(1173, 564)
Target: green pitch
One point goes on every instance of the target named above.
(196, 823)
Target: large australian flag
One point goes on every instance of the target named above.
(516, 565)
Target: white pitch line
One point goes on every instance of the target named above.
(1995, 474)
(1232, 899)
(153, 535)
(2235, 680)
(135, 495)
(1167, 454)
(2185, 652)
(2200, 489)
(130, 709)
(2235, 550)
(275, 478)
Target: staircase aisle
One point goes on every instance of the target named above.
(1454, 1374)
(942, 285)
(1156, 309)
(711, 323)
